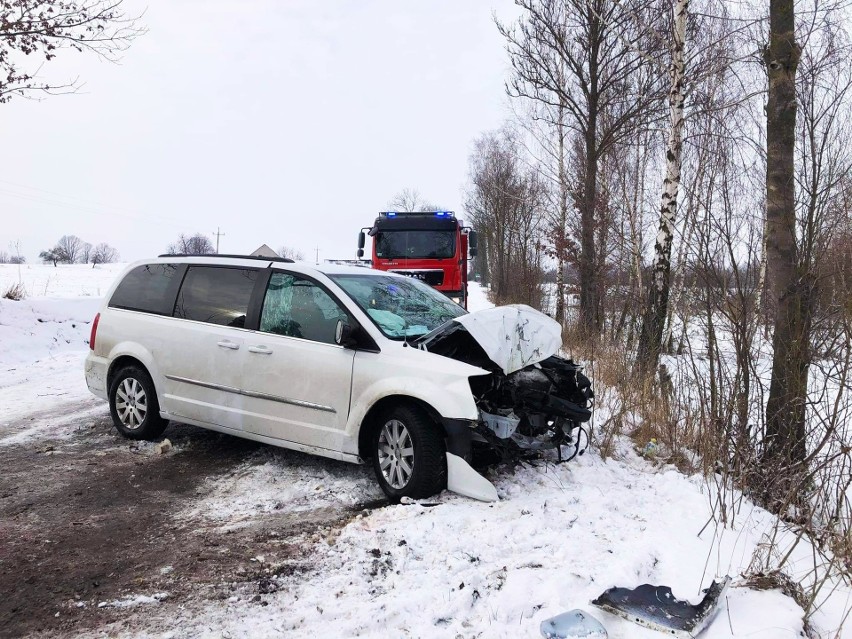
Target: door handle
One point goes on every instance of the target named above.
(226, 343)
(262, 350)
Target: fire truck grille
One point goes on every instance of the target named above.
(431, 277)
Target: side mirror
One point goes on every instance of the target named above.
(360, 252)
(472, 241)
(361, 240)
(344, 335)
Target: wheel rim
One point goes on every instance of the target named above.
(131, 403)
(396, 454)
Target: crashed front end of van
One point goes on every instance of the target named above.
(531, 400)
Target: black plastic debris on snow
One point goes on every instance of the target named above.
(657, 608)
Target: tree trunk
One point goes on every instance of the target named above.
(651, 336)
(635, 220)
(563, 221)
(589, 312)
(784, 442)
(590, 318)
(761, 282)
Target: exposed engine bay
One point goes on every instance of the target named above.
(532, 400)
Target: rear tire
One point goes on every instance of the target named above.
(409, 456)
(133, 404)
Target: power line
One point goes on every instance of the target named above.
(92, 210)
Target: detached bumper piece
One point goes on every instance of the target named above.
(657, 608)
(464, 480)
(574, 624)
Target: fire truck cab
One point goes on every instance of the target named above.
(432, 246)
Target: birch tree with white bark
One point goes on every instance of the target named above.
(651, 337)
(603, 47)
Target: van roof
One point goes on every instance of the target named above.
(244, 260)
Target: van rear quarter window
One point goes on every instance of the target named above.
(216, 295)
(145, 288)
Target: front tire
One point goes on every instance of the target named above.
(133, 404)
(409, 456)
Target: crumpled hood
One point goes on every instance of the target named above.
(513, 336)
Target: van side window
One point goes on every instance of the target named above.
(216, 295)
(145, 289)
(297, 307)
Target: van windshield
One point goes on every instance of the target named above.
(401, 307)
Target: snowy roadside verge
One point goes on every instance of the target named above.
(560, 535)
(43, 343)
(64, 280)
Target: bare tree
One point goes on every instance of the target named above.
(408, 200)
(85, 253)
(69, 248)
(50, 256)
(785, 408)
(586, 56)
(651, 337)
(550, 151)
(16, 258)
(32, 32)
(197, 244)
(799, 241)
(291, 253)
(103, 254)
(503, 198)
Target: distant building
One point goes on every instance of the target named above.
(264, 251)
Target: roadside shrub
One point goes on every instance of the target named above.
(15, 292)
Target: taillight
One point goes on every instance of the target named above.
(94, 331)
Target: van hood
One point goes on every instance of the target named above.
(512, 337)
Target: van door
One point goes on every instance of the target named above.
(204, 360)
(296, 379)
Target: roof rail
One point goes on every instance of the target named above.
(241, 257)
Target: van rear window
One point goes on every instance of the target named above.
(146, 288)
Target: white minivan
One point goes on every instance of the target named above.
(344, 362)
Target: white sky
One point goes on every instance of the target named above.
(280, 121)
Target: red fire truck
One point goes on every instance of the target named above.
(432, 246)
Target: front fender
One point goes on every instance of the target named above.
(452, 400)
(439, 382)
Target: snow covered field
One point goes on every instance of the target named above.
(45, 336)
(446, 567)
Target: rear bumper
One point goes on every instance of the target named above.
(96, 369)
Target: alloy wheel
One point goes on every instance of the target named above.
(396, 454)
(131, 403)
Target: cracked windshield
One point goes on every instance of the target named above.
(400, 307)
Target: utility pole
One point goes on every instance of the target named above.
(217, 234)
(317, 252)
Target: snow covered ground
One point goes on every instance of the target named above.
(445, 567)
(44, 339)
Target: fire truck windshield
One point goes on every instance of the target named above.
(415, 244)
